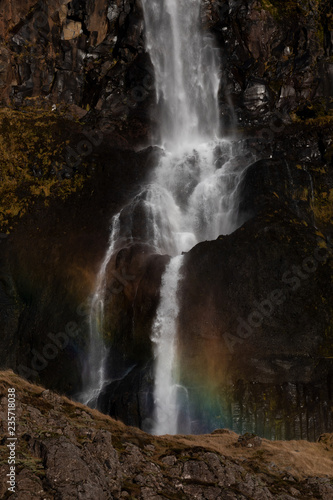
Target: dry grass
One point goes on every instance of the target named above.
(299, 458)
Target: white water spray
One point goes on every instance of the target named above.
(197, 169)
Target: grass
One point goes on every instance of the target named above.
(300, 459)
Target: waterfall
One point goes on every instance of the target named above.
(197, 169)
(94, 374)
(190, 197)
(186, 72)
(164, 337)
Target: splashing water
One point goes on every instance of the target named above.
(197, 169)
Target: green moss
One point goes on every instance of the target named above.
(323, 206)
(270, 7)
(32, 146)
(281, 9)
(326, 349)
(35, 465)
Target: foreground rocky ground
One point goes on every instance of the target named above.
(66, 451)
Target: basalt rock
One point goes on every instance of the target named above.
(45, 282)
(255, 328)
(88, 55)
(274, 378)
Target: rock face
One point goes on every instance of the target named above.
(59, 244)
(256, 320)
(86, 54)
(69, 451)
(265, 342)
(277, 55)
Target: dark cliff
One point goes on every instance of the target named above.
(77, 77)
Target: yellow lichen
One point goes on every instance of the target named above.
(31, 141)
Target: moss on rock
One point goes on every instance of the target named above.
(32, 154)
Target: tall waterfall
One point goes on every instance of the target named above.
(186, 72)
(190, 196)
(187, 83)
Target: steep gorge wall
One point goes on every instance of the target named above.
(277, 55)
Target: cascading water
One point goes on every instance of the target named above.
(164, 338)
(186, 73)
(187, 83)
(191, 195)
(94, 375)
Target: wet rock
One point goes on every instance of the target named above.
(270, 54)
(78, 54)
(256, 98)
(253, 345)
(272, 184)
(93, 57)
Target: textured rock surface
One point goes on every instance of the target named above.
(69, 451)
(88, 55)
(275, 55)
(266, 341)
(272, 377)
(48, 266)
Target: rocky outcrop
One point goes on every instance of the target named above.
(48, 266)
(88, 55)
(69, 451)
(276, 55)
(259, 341)
(255, 323)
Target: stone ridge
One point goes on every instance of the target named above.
(68, 451)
